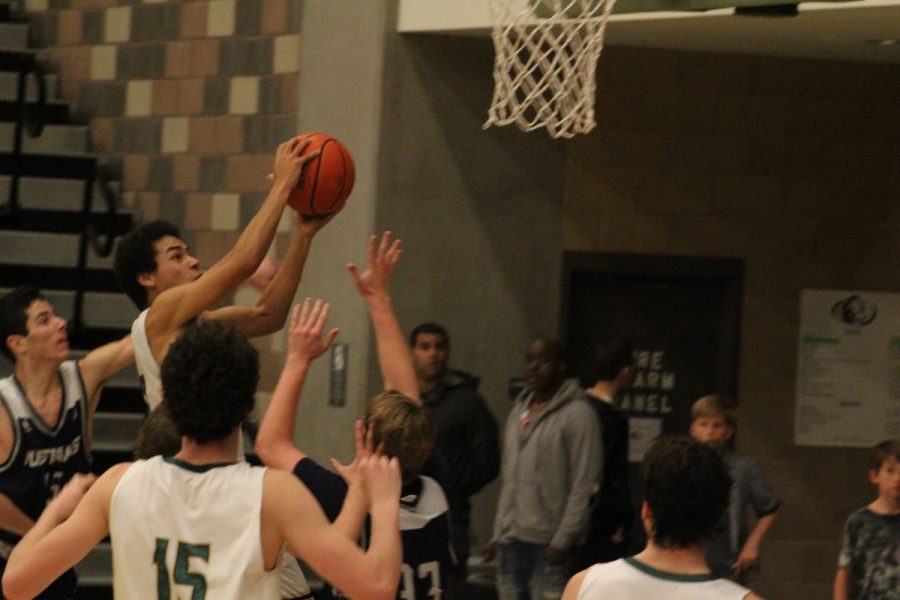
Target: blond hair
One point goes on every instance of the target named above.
(714, 405)
(403, 427)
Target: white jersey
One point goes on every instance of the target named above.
(192, 530)
(146, 364)
(629, 579)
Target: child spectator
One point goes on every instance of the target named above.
(734, 552)
(869, 563)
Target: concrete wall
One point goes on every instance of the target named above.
(791, 165)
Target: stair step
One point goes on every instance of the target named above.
(101, 309)
(116, 431)
(64, 221)
(9, 85)
(41, 193)
(45, 249)
(49, 165)
(54, 111)
(99, 280)
(12, 60)
(14, 36)
(64, 140)
(96, 568)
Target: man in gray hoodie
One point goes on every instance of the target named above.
(552, 462)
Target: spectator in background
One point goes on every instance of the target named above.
(611, 520)
(466, 431)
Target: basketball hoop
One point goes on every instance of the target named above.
(546, 62)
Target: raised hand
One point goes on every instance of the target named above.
(380, 262)
(289, 161)
(305, 339)
(365, 448)
(381, 478)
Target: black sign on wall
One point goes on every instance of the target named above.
(682, 314)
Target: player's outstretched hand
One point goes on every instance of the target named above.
(380, 262)
(64, 504)
(289, 161)
(365, 447)
(381, 477)
(305, 334)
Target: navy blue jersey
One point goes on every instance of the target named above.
(424, 528)
(44, 456)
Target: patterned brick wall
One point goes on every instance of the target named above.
(188, 98)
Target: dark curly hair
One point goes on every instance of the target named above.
(14, 315)
(135, 255)
(686, 485)
(611, 356)
(209, 377)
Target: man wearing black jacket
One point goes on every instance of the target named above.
(612, 517)
(466, 430)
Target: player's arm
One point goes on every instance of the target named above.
(58, 541)
(271, 310)
(178, 305)
(373, 574)
(372, 284)
(274, 441)
(353, 512)
(101, 364)
(841, 583)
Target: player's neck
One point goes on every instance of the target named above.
(683, 561)
(885, 505)
(222, 451)
(39, 380)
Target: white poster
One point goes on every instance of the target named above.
(848, 368)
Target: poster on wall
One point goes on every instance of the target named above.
(848, 368)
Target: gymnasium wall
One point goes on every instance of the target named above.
(187, 100)
(791, 165)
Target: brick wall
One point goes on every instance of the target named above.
(188, 98)
(791, 165)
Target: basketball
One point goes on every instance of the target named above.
(327, 180)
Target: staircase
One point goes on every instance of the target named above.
(52, 194)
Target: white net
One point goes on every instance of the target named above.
(546, 62)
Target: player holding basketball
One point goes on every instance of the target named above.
(396, 421)
(154, 267)
(200, 523)
(46, 411)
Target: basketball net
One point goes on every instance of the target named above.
(546, 63)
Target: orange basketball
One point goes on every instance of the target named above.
(327, 180)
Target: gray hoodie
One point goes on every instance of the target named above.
(550, 470)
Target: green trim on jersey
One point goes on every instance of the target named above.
(196, 468)
(669, 576)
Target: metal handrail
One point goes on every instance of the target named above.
(98, 234)
(28, 118)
